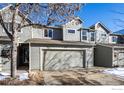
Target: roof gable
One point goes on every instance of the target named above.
(101, 25)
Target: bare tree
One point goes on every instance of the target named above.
(43, 14)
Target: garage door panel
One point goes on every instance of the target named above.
(59, 60)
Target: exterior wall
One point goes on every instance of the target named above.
(89, 57)
(37, 55)
(25, 34)
(2, 32)
(118, 57)
(39, 33)
(103, 56)
(35, 58)
(71, 36)
(111, 41)
(99, 32)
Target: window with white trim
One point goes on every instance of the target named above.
(71, 31)
(84, 35)
(92, 36)
(114, 39)
(48, 33)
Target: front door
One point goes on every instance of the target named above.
(23, 62)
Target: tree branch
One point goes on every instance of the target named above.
(4, 27)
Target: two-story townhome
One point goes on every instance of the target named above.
(65, 47)
(48, 47)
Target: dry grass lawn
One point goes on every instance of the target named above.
(72, 77)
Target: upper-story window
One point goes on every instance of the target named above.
(84, 35)
(114, 39)
(48, 33)
(92, 36)
(71, 31)
(103, 35)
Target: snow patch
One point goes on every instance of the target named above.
(23, 76)
(4, 75)
(119, 72)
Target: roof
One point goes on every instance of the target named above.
(102, 25)
(56, 42)
(113, 45)
(75, 18)
(120, 32)
(45, 26)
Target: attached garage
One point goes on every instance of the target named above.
(109, 55)
(59, 55)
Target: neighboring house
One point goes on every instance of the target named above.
(109, 55)
(120, 35)
(109, 48)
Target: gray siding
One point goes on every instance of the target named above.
(102, 36)
(25, 34)
(35, 58)
(71, 36)
(90, 57)
(37, 33)
(103, 56)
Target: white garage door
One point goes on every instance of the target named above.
(63, 60)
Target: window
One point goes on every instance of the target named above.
(114, 39)
(48, 33)
(6, 51)
(92, 36)
(103, 35)
(71, 31)
(84, 35)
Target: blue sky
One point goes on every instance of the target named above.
(94, 12)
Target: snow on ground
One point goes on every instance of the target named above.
(119, 72)
(22, 76)
(4, 75)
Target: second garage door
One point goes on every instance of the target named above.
(63, 60)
